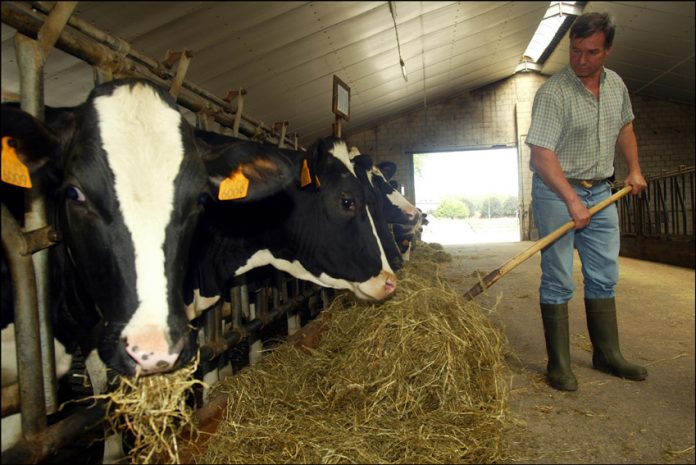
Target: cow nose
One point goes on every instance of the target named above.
(152, 352)
(390, 284)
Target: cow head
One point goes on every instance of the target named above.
(124, 177)
(383, 173)
(383, 210)
(348, 222)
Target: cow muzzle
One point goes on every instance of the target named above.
(378, 287)
(151, 350)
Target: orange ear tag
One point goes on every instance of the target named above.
(13, 170)
(236, 186)
(316, 179)
(305, 178)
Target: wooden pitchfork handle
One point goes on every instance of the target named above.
(492, 277)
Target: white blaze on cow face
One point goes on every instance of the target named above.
(376, 288)
(396, 198)
(340, 151)
(143, 144)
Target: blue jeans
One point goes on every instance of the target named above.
(597, 244)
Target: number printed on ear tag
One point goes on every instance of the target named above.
(236, 186)
(13, 170)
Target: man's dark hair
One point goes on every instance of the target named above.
(589, 23)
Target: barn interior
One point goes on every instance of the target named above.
(426, 77)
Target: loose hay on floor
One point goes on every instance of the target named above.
(419, 378)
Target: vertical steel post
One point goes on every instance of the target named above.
(26, 320)
(31, 57)
(29, 322)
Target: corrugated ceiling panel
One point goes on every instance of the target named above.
(285, 53)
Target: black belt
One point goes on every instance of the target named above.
(587, 183)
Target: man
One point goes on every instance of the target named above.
(580, 116)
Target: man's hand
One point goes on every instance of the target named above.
(547, 166)
(637, 182)
(580, 214)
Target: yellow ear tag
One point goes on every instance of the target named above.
(13, 170)
(236, 186)
(305, 178)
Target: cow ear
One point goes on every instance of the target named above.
(362, 161)
(27, 145)
(387, 168)
(246, 171)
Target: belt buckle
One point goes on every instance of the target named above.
(586, 184)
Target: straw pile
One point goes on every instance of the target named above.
(152, 413)
(415, 379)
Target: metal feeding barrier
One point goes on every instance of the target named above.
(250, 307)
(658, 224)
(664, 209)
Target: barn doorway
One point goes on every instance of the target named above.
(470, 196)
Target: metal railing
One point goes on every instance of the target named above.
(664, 210)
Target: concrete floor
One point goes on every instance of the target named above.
(608, 420)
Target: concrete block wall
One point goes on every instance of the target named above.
(665, 134)
(499, 115)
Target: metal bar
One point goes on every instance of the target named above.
(39, 239)
(39, 447)
(51, 29)
(26, 319)
(238, 113)
(692, 180)
(665, 208)
(184, 59)
(10, 399)
(682, 204)
(236, 307)
(30, 59)
(672, 203)
(101, 75)
(645, 205)
(236, 335)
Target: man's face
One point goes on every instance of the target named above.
(587, 55)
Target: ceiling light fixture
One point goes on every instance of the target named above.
(398, 45)
(556, 22)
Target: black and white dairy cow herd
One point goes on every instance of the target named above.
(156, 218)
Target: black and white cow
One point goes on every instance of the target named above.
(406, 233)
(319, 229)
(124, 176)
(386, 211)
(384, 203)
(404, 218)
(382, 174)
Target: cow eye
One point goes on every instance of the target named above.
(348, 203)
(73, 193)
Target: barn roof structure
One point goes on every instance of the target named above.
(285, 54)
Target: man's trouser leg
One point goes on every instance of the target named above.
(557, 285)
(598, 246)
